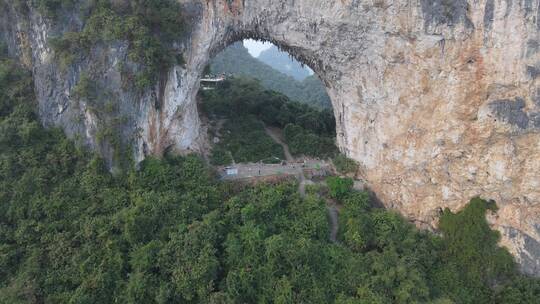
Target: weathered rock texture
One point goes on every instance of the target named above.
(439, 100)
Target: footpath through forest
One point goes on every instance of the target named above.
(333, 212)
(291, 167)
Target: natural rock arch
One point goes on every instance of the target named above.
(437, 100)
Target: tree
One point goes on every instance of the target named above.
(472, 261)
(339, 187)
(345, 165)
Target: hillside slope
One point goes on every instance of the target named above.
(284, 63)
(237, 60)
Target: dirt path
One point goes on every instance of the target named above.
(278, 138)
(302, 187)
(333, 215)
(291, 168)
(219, 126)
(333, 212)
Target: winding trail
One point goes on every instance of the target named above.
(333, 215)
(276, 135)
(333, 212)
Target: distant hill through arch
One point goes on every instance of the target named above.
(236, 60)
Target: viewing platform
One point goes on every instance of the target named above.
(210, 83)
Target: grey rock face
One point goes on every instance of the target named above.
(437, 100)
(529, 248)
(533, 71)
(535, 119)
(489, 14)
(511, 111)
(449, 12)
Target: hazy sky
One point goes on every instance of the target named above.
(256, 47)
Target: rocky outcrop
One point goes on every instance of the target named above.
(438, 100)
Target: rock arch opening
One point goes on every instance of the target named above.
(260, 105)
(410, 103)
(274, 67)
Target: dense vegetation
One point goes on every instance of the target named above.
(464, 266)
(303, 141)
(339, 188)
(308, 130)
(236, 60)
(149, 27)
(344, 165)
(245, 141)
(70, 232)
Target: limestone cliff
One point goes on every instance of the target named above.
(438, 100)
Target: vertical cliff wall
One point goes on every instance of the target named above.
(439, 101)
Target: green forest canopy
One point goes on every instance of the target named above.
(244, 140)
(247, 107)
(70, 232)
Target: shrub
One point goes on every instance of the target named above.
(339, 187)
(220, 156)
(472, 260)
(344, 165)
(86, 89)
(52, 8)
